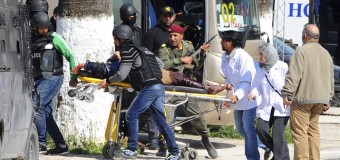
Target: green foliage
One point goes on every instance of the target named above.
(79, 145)
(288, 135)
(224, 132)
(83, 145)
(49, 141)
(231, 132)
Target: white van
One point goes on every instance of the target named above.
(203, 19)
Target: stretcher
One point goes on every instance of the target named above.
(87, 86)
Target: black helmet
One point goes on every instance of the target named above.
(123, 32)
(126, 10)
(39, 6)
(41, 19)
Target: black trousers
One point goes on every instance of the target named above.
(276, 141)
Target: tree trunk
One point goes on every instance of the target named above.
(86, 25)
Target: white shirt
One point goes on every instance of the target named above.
(267, 96)
(239, 70)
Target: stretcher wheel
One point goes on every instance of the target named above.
(89, 98)
(78, 96)
(72, 93)
(193, 154)
(189, 153)
(107, 151)
(184, 154)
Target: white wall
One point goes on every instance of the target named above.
(90, 38)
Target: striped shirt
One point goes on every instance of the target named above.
(130, 60)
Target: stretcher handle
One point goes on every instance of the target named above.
(188, 119)
(178, 104)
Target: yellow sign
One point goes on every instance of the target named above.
(225, 12)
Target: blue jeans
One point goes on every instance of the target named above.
(47, 89)
(245, 121)
(149, 97)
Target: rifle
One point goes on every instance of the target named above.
(193, 53)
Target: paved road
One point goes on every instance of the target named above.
(231, 149)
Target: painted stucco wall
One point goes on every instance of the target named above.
(90, 39)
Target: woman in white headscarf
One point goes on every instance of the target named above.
(267, 84)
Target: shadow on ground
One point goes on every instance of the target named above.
(197, 143)
(193, 143)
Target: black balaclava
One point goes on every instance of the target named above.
(130, 22)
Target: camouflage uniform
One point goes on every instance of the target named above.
(172, 61)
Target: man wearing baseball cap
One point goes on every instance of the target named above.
(153, 40)
(167, 10)
(158, 35)
(177, 58)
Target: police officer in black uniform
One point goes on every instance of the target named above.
(48, 50)
(153, 40)
(159, 35)
(128, 14)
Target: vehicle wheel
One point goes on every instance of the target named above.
(106, 151)
(193, 154)
(32, 152)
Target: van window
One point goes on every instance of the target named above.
(236, 15)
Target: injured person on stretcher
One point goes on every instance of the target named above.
(103, 70)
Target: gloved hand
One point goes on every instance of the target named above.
(73, 82)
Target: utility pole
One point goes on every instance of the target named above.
(279, 24)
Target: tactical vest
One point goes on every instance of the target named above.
(46, 60)
(149, 72)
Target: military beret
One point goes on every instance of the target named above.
(176, 28)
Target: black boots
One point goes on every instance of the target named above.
(162, 148)
(209, 147)
(58, 150)
(42, 148)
